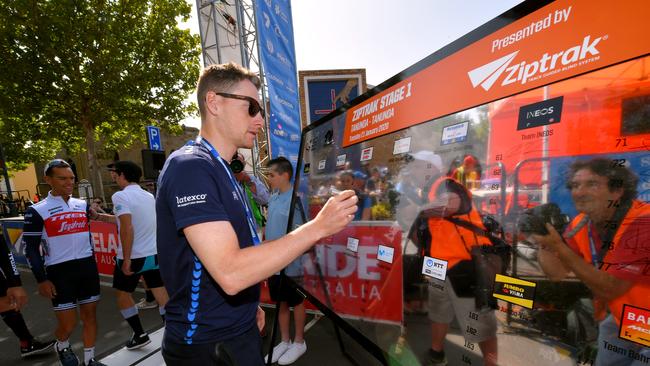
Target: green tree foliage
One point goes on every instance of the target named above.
(74, 73)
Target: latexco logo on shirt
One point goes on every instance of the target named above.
(526, 71)
(190, 200)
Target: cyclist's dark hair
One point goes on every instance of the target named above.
(129, 169)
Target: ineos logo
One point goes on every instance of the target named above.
(539, 112)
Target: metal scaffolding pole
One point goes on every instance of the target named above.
(220, 23)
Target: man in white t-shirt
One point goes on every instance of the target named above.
(135, 215)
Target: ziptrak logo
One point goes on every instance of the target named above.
(526, 71)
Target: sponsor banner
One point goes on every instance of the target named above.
(357, 284)
(340, 160)
(366, 154)
(560, 40)
(105, 239)
(353, 244)
(455, 133)
(385, 254)
(635, 325)
(540, 114)
(104, 236)
(434, 267)
(278, 59)
(514, 290)
(402, 146)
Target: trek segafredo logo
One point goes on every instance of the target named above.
(190, 200)
(526, 71)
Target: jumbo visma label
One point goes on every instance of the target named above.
(514, 290)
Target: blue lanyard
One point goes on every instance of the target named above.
(592, 246)
(249, 217)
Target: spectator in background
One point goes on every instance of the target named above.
(347, 182)
(360, 179)
(468, 173)
(286, 352)
(421, 168)
(256, 191)
(373, 181)
(450, 216)
(135, 216)
(97, 204)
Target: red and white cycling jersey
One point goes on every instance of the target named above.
(62, 229)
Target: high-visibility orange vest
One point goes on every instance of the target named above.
(639, 294)
(451, 242)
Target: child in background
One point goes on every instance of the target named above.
(286, 352)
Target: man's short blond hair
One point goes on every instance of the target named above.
(221, 78)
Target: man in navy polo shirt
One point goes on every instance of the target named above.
(211, 258)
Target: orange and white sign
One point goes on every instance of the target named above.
(635, 325)
(558, 41)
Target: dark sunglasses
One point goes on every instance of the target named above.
(253, 106)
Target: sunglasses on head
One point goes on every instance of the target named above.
(56, 163)
(253, 106)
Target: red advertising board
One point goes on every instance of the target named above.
(105, 241)
(104, 236)
(357, 284)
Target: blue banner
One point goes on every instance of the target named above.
(278, 60)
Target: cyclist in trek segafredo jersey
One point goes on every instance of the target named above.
(59, 250)
(60, 228)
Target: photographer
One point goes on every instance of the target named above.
(606, 247)
(453, 223)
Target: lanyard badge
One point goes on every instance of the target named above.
(595, 257)
(242, 197)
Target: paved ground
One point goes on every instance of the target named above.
(515, 347)
(113, 330)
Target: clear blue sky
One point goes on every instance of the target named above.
(384, 37)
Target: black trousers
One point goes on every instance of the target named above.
(243, 350)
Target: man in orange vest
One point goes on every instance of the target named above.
(452, 243)
(607, 247)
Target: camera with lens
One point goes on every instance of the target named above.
(236, 165)
(533, 220)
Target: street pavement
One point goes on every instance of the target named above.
(515, 348)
